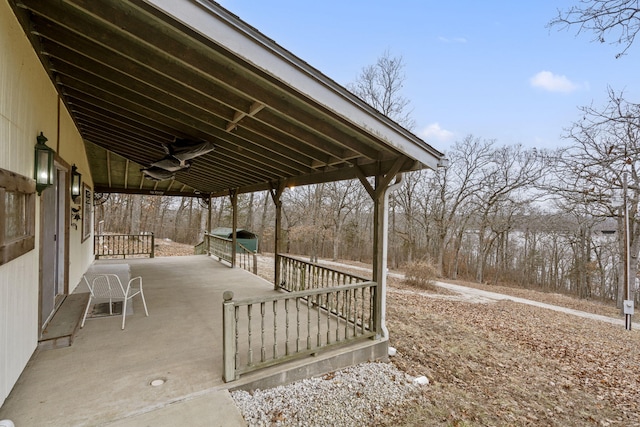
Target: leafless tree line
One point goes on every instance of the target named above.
(181, 219)
(498, 214)
(550, 220)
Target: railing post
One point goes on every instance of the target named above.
(153, 245)
(233, 194)
(208, 231)
(229, 337)
(255, 263)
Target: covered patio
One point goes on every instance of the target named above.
(142, 80)
(105, 377)
(183, 98)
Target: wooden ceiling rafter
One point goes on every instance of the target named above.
(135, 78)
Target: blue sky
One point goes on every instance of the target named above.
(487, 68)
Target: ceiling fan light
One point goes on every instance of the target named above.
(157, 174)
(171, 164)
(186, 149)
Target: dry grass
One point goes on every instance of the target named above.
(166, 247)
(510, 364)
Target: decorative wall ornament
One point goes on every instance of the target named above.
(100, 198)
(87, 216)
(75, 217)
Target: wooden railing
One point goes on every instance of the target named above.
(221, 248)
(123, 245)
(298, 275)
(200, 248)
(261, 332)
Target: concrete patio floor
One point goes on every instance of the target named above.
(104, 377)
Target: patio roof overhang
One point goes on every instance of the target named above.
(135, 75)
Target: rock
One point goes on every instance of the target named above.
(421, 380)
(358, 395)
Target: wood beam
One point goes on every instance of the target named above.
(239, 115)
(233, 194)
(276, 190)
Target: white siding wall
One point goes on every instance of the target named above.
(72, 150)
(28, 106)
(18, 318)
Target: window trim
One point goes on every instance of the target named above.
(87, 203)
(11, 181)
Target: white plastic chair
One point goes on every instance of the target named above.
(108, 287)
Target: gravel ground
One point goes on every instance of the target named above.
(366, 394)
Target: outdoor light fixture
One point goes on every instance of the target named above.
(43, 168)
(443, 163)
(76, 179)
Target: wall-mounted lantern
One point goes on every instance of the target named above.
(76, 182)
(43, 168)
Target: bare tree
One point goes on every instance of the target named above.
(405, 200)
(343, 197)
(380, 85)
(248, 224)
(507, 182)
(136, 214)
(456, 186)
(606, 153)
(619, 18)
(264, 217)
(165, 204)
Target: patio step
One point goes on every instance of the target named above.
(62, 328)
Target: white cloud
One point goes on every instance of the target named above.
(435, 132)
(452, 40)
(553, 83)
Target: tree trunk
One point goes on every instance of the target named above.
(248, 224)
(177, 219)
(336, 240)
(263, 219)
(481, 255)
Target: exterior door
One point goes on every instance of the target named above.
(53, 244)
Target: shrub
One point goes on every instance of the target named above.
(420, 274)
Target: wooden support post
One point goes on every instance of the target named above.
(233, 194)
(153, 246)
(379, 252)
(276, 193)
(380, 194)
(207, 234)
